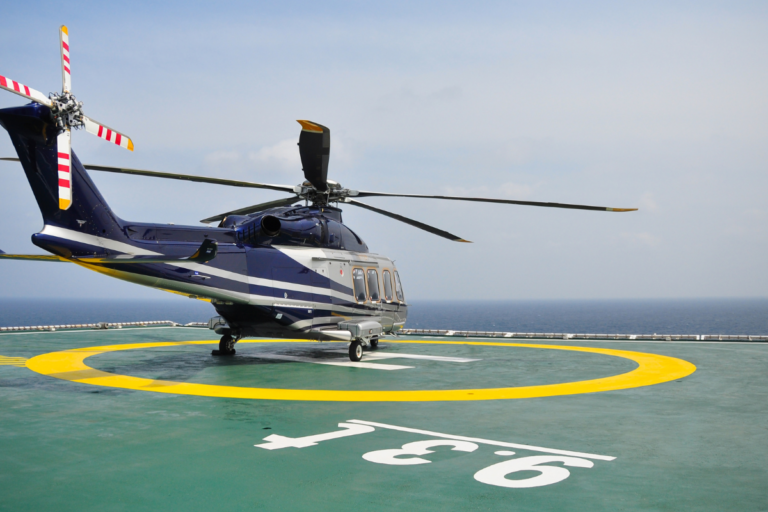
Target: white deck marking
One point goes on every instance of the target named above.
(332, 362)
(660, 342)
(276, 442)
(484, 441)
(369, 356)
(394, 355)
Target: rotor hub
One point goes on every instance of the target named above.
(335, 193)
(67, 111)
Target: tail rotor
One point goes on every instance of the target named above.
(67, 114)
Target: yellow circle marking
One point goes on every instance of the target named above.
(652, 369)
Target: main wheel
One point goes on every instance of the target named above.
(355, 351)
(374, 343)
(226, 346)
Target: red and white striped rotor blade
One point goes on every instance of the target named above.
(63, 149)
(66, 73)
(108, 134)
(22, 90)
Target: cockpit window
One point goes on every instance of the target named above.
(373, 285)
(358, 281)
(350, 241)
(399, 288)
(385, 276)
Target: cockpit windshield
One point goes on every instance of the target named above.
(399, 288)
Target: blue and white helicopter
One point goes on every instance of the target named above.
(286, 268)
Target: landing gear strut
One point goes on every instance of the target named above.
(226, 346)
(355, 351)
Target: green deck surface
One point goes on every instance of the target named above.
(699, 443)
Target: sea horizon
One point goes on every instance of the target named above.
(743, 316)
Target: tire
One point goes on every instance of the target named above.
(355, 351)
(226, 345)
(374, 343)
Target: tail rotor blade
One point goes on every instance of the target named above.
(66, 74)
(108, 134)
(63, 142)
(23, 90)
(315, 149)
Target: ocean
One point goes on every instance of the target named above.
(658, 316)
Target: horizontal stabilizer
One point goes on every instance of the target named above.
(204, 254)
(31, 257)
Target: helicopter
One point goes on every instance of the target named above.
(285, 268)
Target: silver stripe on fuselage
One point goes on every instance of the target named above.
(106, 243)
(114, 245)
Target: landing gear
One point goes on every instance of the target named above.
(226, 346)
(355, 351)
(374, 343)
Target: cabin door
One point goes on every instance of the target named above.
(292, 296)
(318, 278)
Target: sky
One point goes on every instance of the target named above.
(660, 106)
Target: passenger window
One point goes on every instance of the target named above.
(387, 285)
(358, 281)
(399, 288)
(373, 285)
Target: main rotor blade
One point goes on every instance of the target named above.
(415, 223)
(501, 201)
(315, 150)
(22, 90)
(108, 134)
(66, 73)
(184, 177)
(252, 209)
(189, 177)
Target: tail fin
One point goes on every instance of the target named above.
(33, 134)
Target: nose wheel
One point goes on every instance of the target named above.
(355, 351)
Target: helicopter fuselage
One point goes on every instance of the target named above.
(261, 285)
(283, 272)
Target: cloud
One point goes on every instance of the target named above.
(647, 203)
(750, 225)
(518, 151)
(283, 156)
(644, 238)
(755, 213)
(409, 98)
(218, 158)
